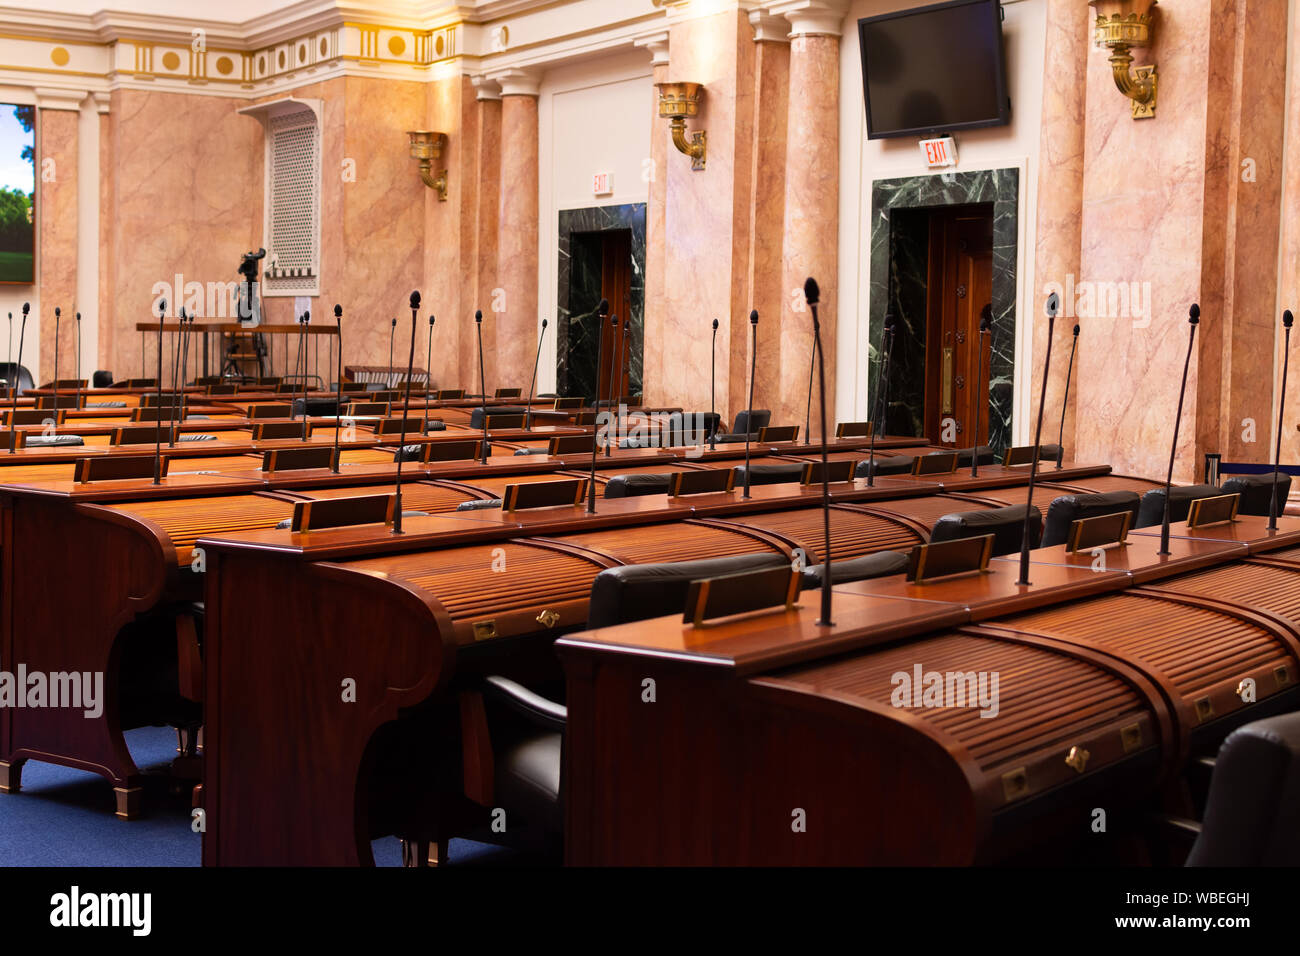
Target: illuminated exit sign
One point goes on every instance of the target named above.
(602, 184)
(939, 152)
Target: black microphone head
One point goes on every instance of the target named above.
(182, 315)
(57, 312)
(715, 325)
(306, 317)
(1194, 314)
(811, 292)
(753, 317)
(27, 306)
(1076, 330)
(162, 308)
(78, 316)
(613, 320)
(478, 315)
(889, 322)
(394, 323)
(430, 320)
(1287, 318)
(338, 311)
(1053, 305)
(415, 300)
(603, 308)
(543, 323)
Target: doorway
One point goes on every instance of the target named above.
(959, 289)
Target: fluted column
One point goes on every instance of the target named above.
(811, 201)
(653, 360)
(487, 215)
(56, 205)
(512, 303)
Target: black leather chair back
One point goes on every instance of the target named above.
(762, 417)
(987, 456)
(691, 428)
(876, 565)
(1257, 491)
(770, 474)
(476, 415)
(630, 486)
(101, 379)
(1151, 510)
(15, 374)
(1067, 509)
(639, 591)
(885, 465)
(1252, 817)
(1007, 525)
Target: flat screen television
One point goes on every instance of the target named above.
(934, 69)
(17, 192)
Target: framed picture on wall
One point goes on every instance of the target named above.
(17, 194)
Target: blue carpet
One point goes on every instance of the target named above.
(64, 817)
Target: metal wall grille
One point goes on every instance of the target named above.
(294, 204)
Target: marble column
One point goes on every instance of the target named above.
(56, 209)
(656, 207)
(487, 233)
(1288, 288)
(811, 202)
(513, 300)
(1059, 218)
(767, 189)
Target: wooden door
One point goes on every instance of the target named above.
(616, 286)
(959, 286)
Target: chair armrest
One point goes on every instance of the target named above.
(536, 708)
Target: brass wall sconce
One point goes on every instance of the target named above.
(677, 102)
(1123, 26)
(426, 146)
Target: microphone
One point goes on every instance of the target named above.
(622, 352)
(338, 395)
(749, 412)
(986, 328)
(1193, 319)
(57, 313)
(713, 388)
(18, 378)
(77, 399)
(528, 414)
(176, 364)
(1060, 436)
(882, 403)
(302, 339)
(428, 364)
(613, 415)
(406, 410)
(1273, 509)
(482, 381)
(10, 360)
(602, 310)
(813, 295)
(388, 378)
(1053, 306)
(157, 435)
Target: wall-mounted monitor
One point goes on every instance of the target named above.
(934, 69)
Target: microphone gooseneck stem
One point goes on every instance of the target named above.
(749, 411)
(713, 389)
(812, 364)
(157, 435)
(56, 361)
(18, 379)
(528, 410)
(613, 357)
(338, 382)
(622, 359)
(1065, 402)
(881, 402)
(76, 400)
(1274, 508)
(980, 398)
(825, 620)
(388, 375)
(482, 382)
(1173, 449)
(1033, 468)
(406, 411)
(595, 425)
(428, 364)
(306, 355)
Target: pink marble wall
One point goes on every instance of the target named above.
(705, 225)
(487, 232)
(811, 216)
(767, 204)
(1289, 267)
(1060, 195)
(653, 359)
(182, 194)
(513, 308)
(56, 205)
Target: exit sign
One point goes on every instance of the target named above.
(939, 152)
(602, 184)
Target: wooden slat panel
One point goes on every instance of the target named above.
(853, 533)
(685, 541)
(416, 495)
(186, 520)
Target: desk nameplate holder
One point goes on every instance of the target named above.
(732, 594)
(321, 513)
(1220, 509)
(1020, 455)
(702, 482)
(948, 558)
(836, 471)
(853, 430)
(1102, 531)
(941, 463)
(544, 494)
